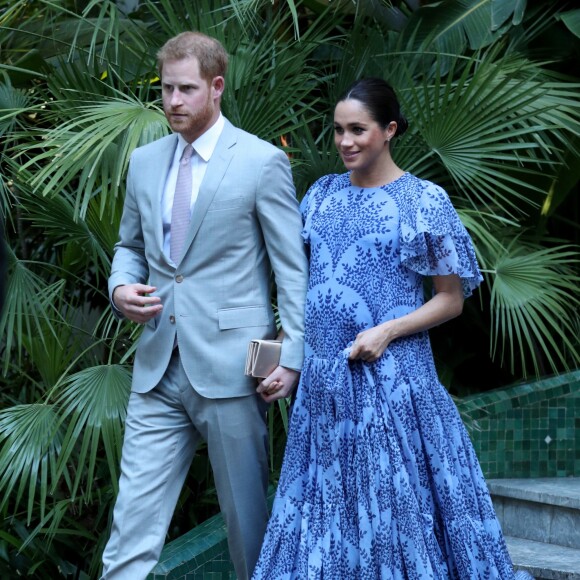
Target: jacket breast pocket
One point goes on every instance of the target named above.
(229, 203)
(243, 317)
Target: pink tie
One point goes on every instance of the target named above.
(181, 212)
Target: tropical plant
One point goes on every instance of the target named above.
(492, 118)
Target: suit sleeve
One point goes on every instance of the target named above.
(129, 261)
(281, 226)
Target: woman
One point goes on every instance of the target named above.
(380, 479)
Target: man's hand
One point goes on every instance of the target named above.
(279, 384)
(134, 304)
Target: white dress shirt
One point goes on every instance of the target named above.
(203, 148)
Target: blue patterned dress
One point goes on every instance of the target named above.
(380, 480)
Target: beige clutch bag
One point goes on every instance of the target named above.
(263, 357)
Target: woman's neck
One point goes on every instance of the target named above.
(382, 175)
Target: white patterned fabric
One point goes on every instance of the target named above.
(380, 479)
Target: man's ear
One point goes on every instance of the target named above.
(217, 87)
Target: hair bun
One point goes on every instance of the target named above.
(402, 126)
(380, 100)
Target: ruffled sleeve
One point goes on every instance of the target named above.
(311, 201)
(434, 242)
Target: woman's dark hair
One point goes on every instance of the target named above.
(379, 98)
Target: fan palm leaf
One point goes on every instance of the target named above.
(535, 304)
(29, 450)
(92, 237)
(94, 148)
(246, 10)
(485, 229)
(479, 22)
(490, 130)
(29, 307)
(58, 521)
(268, 79)
(111, 32)
(93, 403)
(13, 102)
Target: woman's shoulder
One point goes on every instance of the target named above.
(423, 186)
(422, 192)
(325, 185)
(331, 182)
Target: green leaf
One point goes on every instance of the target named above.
(12, 102)
(94, 404)
(535, 305)
(95, 144)
(572, 21)
(492, 130)
(28, 454)
(29, 307)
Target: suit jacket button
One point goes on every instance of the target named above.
(179, 278)
(172, 319)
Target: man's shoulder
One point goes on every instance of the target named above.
(169, 141)
(252, 142)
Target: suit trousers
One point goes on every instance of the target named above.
(163, 429)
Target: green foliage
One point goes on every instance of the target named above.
(494, 118)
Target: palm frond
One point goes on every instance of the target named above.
(535, 304)
(271, 83)
(28, 454)
(480, 22)
(489, 129)
(29, 308)
(109, 27)
(55, 217)
(13, 102)
(483, 228)
(491, 126)
(94, 404)
(94, 148)
(246, 12)
(171, 18)
(51, 524)
(317, 156)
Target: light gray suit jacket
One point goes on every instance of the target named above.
(245, 225)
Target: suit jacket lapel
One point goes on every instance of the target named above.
(215, 172)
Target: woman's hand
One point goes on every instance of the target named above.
(446, 304)
(370, 344)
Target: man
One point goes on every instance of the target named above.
(197, 274)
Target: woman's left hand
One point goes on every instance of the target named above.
(446, 304)
(370, 344)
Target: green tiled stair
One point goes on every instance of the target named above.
(528, 430)
(524, 431)
(201, 554)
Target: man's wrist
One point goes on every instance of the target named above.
(291, 369)
(115, 307)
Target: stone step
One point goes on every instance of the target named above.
(544, 561)
(561, 491)
(543, 510)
